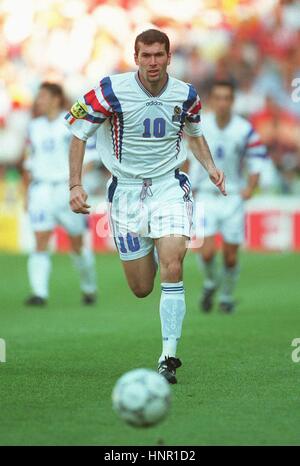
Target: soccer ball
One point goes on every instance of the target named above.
(141, 397)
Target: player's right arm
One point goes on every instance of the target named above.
(84, 118)
(78, 196)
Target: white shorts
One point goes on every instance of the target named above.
(223, 214)
(142, 210)
(48, 206)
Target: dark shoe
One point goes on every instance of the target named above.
(167, 369)
(227, 307)
(206, 302)
(35, 301)
(89, 299)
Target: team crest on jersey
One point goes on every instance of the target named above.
(177, 114)
(79, 110)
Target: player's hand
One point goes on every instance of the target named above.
(246, 193)
(218, 178)
(78, 199)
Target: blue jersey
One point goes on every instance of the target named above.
(138, 135)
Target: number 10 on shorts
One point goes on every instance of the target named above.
(129, 242)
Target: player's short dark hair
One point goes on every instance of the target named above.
(151, 36)
(223, 83)
(55, 89)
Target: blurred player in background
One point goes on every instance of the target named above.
(48, 196)
(232, 141)
(140, 118)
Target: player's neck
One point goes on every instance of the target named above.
(53, 114)
(154, 88)
(223, 120)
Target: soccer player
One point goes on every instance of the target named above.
(233, 143)
(48, 196)
(140, 117)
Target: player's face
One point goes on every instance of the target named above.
(221, 100)
(152, 61)
(45, 102)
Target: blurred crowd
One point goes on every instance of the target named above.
(75, 42)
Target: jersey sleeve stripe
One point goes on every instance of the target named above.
(194, 118)
(117, 124)
(92, 100)
(93, 119)
(192, 97)
(196, 108)
(109, 95)
(254, 144)
(251, 132)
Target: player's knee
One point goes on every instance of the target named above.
(172, 270)
(141, 291)
(230, 260)
(207, 256)
(77, 249)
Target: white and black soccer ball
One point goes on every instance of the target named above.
(141, 397)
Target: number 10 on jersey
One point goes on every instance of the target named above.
(157, 127)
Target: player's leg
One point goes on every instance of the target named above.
(82, 256)
(171, 252)
(39, 267)
(230, 276)
(136, 250)
(208, 264)
(171, 216)
(207, 256)
(233, 233)
(84, 262)
(140, 274)
(42, 223)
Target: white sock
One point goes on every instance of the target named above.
(172, 311)
(85, 264)
(229, 279)
(39, 267)
(209, 269)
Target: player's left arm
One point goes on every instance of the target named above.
(253, 180)
(197, 141)
(201, 151)
(256, 155)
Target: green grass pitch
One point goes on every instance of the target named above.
(238, 384)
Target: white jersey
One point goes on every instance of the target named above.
(139, 135)
(48, 143)
(230, 147)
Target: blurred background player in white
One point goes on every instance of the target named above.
(141, 117)
(46, 168)
(237, 149)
